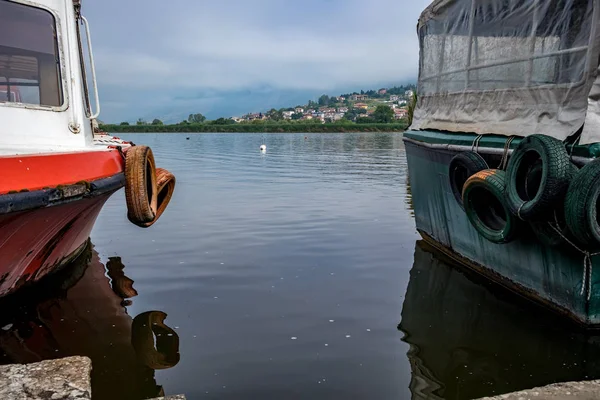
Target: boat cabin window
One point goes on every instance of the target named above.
(29, 62)
(478, 45)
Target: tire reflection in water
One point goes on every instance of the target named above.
(79, 311)
(469, 339)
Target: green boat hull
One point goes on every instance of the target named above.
(551, 276)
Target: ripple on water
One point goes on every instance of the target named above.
(255, 259)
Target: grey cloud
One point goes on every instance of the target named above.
(187, 45)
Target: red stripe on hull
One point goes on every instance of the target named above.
(34, 172)
(36, 242)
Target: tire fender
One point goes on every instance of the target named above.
(462, 167)
(140, 185)
(534, 199)
(165, 182)
(581, 205)
(483, 198)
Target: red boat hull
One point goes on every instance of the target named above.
(35, 242)
(34, 172)
(48, 206)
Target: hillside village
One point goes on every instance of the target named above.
(383, 106)
(355, 107)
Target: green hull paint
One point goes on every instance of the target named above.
(489, 141)
(552, 276)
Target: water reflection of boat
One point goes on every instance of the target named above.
(86, 317)
(467, 341)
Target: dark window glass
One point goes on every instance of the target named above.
(29, 62)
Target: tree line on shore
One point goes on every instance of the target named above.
(353, 118)
(382, 115)
(266, 126)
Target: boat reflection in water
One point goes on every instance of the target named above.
(468, 340)
(80, 311)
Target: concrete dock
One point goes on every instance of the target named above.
(589, 390)
(177, 397)
(69, 379)
(62, 379)
(65, 379)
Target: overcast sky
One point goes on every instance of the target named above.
(227, 57)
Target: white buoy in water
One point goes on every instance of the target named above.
(263, 148)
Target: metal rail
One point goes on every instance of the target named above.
(92, 67)
(580, 161)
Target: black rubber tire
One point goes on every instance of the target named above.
(462, 166)
(485, 205)
(582, 205)
(540, 197)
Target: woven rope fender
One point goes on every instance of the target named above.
(140, 185)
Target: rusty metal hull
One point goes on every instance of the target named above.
(549, 276)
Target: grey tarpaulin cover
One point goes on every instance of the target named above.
(510, 67)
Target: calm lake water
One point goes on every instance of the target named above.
(294, 274)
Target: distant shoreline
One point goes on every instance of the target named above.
(256, 128)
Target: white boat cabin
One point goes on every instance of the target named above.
(44, 97)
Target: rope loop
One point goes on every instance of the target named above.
(572, 148)
(586, 280)
(519, 212)
(504, 160)
(475, 145)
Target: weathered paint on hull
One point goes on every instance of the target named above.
(36, 242)
(551, 276)
(36, 171)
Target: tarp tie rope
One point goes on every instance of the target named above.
(475, 145)
(572, 148)
(519, 211)
(586, 280)
(504, 160)
(120, 150)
